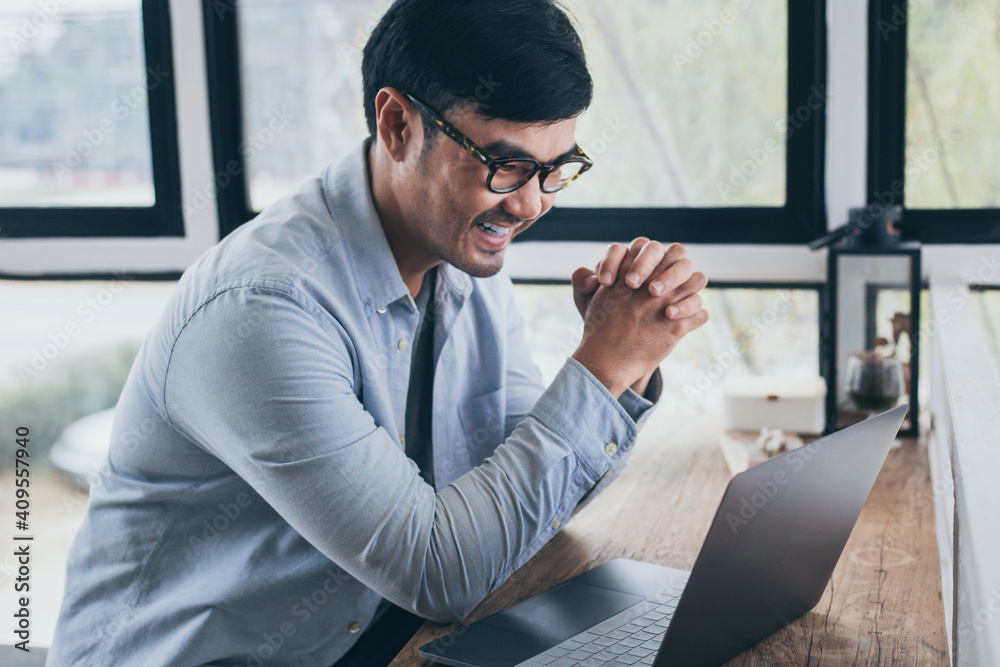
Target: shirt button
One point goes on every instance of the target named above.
(557, 524)
(401, 438)
(641, 423)
(381, 311)
(353, 628)
(611, 448)
(402, 343)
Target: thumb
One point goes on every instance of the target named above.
(585, 283)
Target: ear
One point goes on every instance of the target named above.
(397, 123)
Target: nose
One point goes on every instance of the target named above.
(527, 201)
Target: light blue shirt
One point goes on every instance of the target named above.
(258, 504)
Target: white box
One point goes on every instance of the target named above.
(791, 404)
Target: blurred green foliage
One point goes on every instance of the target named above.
(953, 98)
(65, 391)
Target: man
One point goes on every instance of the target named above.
(278, 474)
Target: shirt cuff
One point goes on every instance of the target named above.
(587, 417)
(639, 407)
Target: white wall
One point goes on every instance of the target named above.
(966, 411)
(847, 116)
(721, 263)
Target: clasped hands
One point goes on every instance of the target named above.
(636, 306)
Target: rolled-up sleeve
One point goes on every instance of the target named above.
(639, 409)
(524, 384)
(277, 402)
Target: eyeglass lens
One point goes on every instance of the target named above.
(516, 173)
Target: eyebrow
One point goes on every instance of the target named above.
(504, 148)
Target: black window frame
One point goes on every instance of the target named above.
(801, 219)
(165, 216)
(886, 181)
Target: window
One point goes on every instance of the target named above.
(757, 330)
(952, 100)
(933, 101)
(88, 139)
(689, 106)
(712, 113)
(301, 79)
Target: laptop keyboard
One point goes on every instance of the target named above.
(631, 637)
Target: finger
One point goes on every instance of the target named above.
(584, 283)
(685, 308)
(665, 277)
(607, 268)
(677, 281)
(696, 283)
(682, 327)
(585, 280)
(645, 262)
(694, 322)
(631, 253)
(670, 278)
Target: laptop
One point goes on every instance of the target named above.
(769, 554)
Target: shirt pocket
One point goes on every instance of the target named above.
(483, 424)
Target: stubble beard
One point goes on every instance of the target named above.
(493, 262)
(476, 269)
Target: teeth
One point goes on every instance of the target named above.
(495, 230)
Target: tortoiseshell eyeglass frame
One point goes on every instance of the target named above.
(494, 163)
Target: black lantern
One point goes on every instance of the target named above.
(870, 331)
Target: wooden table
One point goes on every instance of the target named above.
(882, 607)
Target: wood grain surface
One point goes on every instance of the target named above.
(882, 607)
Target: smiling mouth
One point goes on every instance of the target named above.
(496, 231)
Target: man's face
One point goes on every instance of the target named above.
(451, 214)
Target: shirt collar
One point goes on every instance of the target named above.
(378, 280)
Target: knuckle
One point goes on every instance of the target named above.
(685, 268)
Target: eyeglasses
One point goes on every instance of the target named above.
(509, 173)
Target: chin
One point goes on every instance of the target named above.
(483, 269)
(480, 271)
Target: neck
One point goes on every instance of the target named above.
(412, 268)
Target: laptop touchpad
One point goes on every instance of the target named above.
(563, 611)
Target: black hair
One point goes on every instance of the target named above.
(517, 60)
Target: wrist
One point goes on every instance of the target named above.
(640, 385)
(611, 380)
